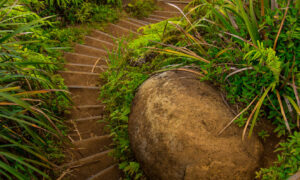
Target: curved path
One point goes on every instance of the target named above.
(88, 157)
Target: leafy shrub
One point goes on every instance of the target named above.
(250, 50)
(288, 161)
(141, 8)
(76, 11)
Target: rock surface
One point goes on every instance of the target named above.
(173, 129)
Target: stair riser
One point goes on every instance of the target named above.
(78, 59)
(86, 112)
(150, 20)
(92, 168)
(103, 37)
(166, 7)
(97, 69)
(139, 22)
(85, 96)
(95, 146)
(111, 173)
(120, 32)
(167, 14)
(158, 17)
(129, 25)
(90, 51)
(98, 44)
(90, 127)
(80, 79)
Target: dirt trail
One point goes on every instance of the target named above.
(88, 157)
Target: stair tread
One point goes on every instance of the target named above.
(110, 173)
(86, 160)
(91, 142)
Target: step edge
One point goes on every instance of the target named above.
(91, 47)
(105, 42)
(82, 87)
(102, 172)
(87, 160)
(103, 33)
(80, 72)
(86, 65)
(120, 27)
(92, 139)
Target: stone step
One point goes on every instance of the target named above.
(137, 21)
(87, 127)
(85, 67)
(110, 173)
(78, 58)
(128, 24)
(168, 14)
(120, 32)
(85, 167)
(90, 50)
(80, 78)
(103, 36)
(86, 111)
(90, 146)
(84, 95)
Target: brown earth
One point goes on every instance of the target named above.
(173, 129)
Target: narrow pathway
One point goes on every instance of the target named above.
(88, 156)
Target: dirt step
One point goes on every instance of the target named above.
(137, 21)
(98, 43)
(90, 146)
(168, 14)
(161, 18)
(163, 6)
(90, 50)
(85, 167)
(85, 67)
(80, 78)
(86, 111)
(110, 173)
(120, 32)
(84, 95)
(87, 127)
(128, 24)
(78, 58)
(103, 36)
(152, 20)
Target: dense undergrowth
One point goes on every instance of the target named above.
(249, 50)
(141, 8)
(33, 97)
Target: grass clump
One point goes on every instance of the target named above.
(32, 95)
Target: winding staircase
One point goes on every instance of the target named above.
(88, 157)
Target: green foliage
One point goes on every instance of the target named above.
(76, 11)
(32, 95)
(128, 68)
(238, 46)
(288, 161)
(141, 8)
(117, 94)
(105, 13)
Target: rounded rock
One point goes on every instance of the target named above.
(173, 129)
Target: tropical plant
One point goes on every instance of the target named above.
(29, 100)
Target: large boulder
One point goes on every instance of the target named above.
(173, 129)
